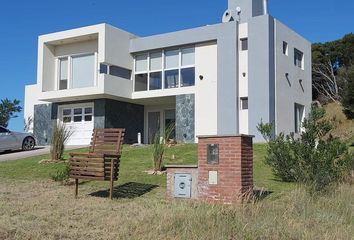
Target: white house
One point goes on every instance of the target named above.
(219, 79)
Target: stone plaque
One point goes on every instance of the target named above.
(213, 177)
(213, 153)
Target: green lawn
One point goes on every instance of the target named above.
(136, 160)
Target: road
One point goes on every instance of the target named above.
(37, 151)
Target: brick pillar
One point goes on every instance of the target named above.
(229, 178)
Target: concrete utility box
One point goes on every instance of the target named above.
(183, 184)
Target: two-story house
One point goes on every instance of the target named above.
(220, 79)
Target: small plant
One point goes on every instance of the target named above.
(313, 158)
(60, 136)
(159, 147)
(61, 175)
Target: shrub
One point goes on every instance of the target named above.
(159, 147)
(313, 158)
(62, 174)
(60, 136)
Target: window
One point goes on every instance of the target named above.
(187, 67)
(171, 68)
(120, 72)
(298, 58)
(244, 44)
(78, 114)
(103, 68)
(244, 103)
(3, 130)
(63, 73)
(83, 71)
(141, 82)
(66, 115)
(285, 48)
(77, 71)
(299, 117)
(155, 77)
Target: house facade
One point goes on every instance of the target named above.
(220, 79)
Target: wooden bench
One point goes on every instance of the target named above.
(101, 163)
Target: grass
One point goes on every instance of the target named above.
(34, 207)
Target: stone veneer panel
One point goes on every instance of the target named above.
(185, 108)
(171, 171)
(44, 118)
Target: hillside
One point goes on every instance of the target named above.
(343, 128)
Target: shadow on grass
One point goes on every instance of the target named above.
(20, 150)
(259, 195)
(126, 190)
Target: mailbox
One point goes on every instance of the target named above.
(182, 185)
(213, 153)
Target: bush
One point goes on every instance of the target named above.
(62, 174)
(159, 146)
(313, 158)
(60, 136)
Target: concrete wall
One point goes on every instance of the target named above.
(82, 47)
(206, 89)
(249, 9)
(261, 73)
(289, 90)
(46, 67)
(31, 98)
(243, 80)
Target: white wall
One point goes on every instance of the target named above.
(206, 89)
(81, 47)
(46, 66)
(243, 80)
(31, 98)
(289, 91)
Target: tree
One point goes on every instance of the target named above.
(346, 76)
(328, 59)
(8, 109)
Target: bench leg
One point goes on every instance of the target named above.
(111, 181)
(76, 187)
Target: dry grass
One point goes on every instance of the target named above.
(46, 210)
(343, 127)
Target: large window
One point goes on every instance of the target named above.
(165, 69)
(76, 71)
(299, 117)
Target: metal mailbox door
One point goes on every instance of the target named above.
(183, 184)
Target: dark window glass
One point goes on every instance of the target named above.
(3, 130)
(88, 110)
(66, 112)
(155, 81)
(103, 68)
(120, 72)
(88, 118)
(244, 103)
(66, 119)
(298, 58)
(63, 84)
(78, 111)
(244, 44)
(187, 77)
(77, 118)
(285, 48)
(171, 78)
(141, 82)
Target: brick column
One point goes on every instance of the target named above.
(231, 177)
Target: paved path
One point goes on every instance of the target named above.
(37, 151)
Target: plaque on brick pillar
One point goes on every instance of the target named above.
(213, 153)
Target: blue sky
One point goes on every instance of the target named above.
(22, 21)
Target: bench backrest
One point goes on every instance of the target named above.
(107, 140)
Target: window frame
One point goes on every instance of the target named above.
(302, 61)
(163, 68)
(298, 109)
(241, 43)
(70, 68)
(242, 99)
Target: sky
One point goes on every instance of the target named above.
(22, 21)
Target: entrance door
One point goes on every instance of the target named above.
(153, 125)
